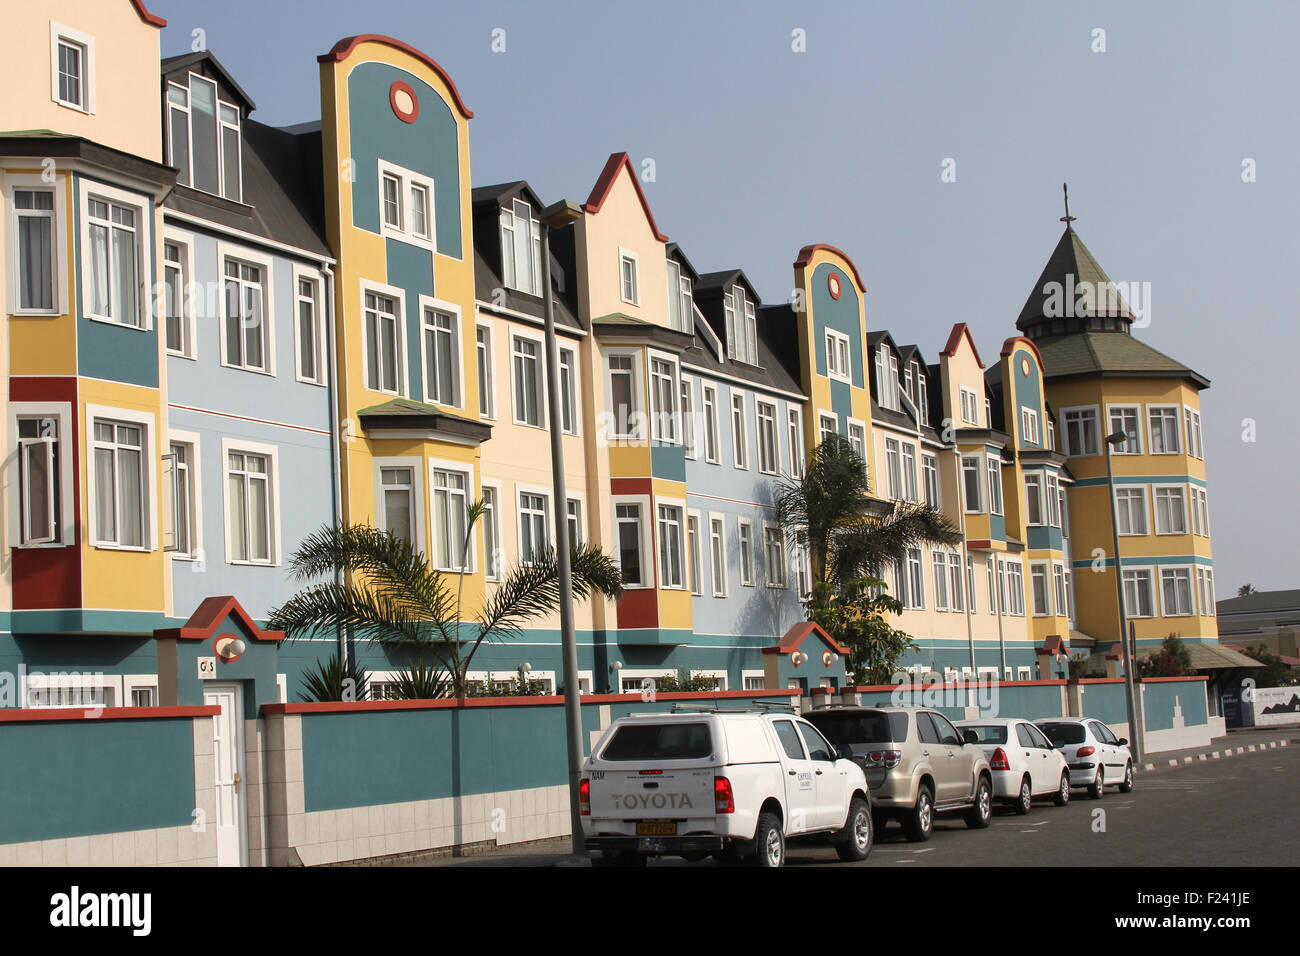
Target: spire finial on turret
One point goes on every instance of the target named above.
(1067, 218)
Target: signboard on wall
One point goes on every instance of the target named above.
(1276, 705)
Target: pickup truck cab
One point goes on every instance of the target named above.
(731, 784)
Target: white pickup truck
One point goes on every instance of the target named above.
(731, 784)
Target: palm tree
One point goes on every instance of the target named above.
(390, 596)
(848, 533)
(1246, 589)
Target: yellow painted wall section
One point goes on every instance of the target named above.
(45, 344)
(127, 97)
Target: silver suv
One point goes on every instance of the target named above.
(917, 764)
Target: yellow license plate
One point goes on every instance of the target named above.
(656, 829)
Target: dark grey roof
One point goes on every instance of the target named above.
(487, 281)
(502, 191)
(1112, 353)
(778, 352)
(282, 191)
(1071, 265)
(1261, 601)
(185, 61)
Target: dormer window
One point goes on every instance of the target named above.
(205, 139)
(916, 391)
(887, 378)
(521, 248)
(681, 306)
(742, 326)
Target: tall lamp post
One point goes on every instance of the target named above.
(1113, 441)
(557, 216)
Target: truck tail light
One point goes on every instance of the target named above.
(724, 801)
(999, 760)
(884, 758)
(1085, 751)
(584, 798)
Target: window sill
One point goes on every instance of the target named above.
(253, 564)
(74, 107)
(121, 325)
(540, 428)
(36, 313)
(245, 368)
(42, 546)
(182, 355)
(109, 546)
(778, 587)
(311, 381)
(179, 556)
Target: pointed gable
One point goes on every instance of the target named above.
(617, 163)
(1072, 280)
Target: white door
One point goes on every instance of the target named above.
(800, 779)
(228, 759)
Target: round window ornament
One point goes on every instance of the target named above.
(405, 104)
(1024, 365)
(833, 284)
(229, 648)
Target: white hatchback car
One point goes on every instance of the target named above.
(1097, 758)
(1024, 762)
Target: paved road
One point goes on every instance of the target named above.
(1241, 811)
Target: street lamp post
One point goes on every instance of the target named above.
(557, 216)
(1114, 440)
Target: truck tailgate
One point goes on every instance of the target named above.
(627, 794)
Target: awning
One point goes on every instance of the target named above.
(1212, 657)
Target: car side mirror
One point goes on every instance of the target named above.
(970, 737)
(1123, 741)
(843, 753)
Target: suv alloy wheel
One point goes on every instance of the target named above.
(919, 822)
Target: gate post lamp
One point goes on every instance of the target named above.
(1113, 441)
(558, 216)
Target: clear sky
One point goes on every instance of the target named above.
(759, 150)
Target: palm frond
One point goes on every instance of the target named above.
(873, 543)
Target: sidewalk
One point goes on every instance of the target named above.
(1247, 740)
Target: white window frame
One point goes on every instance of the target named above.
(690, 418)
(252, 257)
(1043, 570)
(302, 274)
(1195, 435)
(1152, 583)
(711, 423)
(695, 545)
(1205, 591)
(718, 542)
(679, 506)
(149, 466)
(741, 324)
(835, 342)
(778, 573)
(636, 425)
(572, 392)
(144, 239)
(406, 178)
(794, 427)
(517, 333)
(774, 465)
(911, 489)
(824, 419)
(534, 286)
(969, 395)
(272, 454)
(739, 429)
(1181, 491)
(1126, 510)
(1034, 499)
(1198, 502)
(61, 412)
(430, 304)
(486, 377)
(60, 33)
(1013, 585)
(748, 575)
(398, 296)
(976, 507)
(415, 464)
(1082, 411)
(930, 470)
(1140, 431)
(26, 182)
(939, 572)
(466, 472)
(647, 556)
(195, 468)
(660, 417)
(189, 288)
(997, 505)
(1162, 410)
(1175, 569)
(681, 300)
(548, 518)
(628, 257)
(493, 571)
(1029, 430)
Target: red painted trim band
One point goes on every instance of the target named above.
(874, 688)
(806, 254)
(363, 706)
(146, 16)
(958, 330)
(343, 49)
(38, 714)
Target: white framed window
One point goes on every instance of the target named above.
(205, 138)
(1013, 587)
(486, 389)
(1164, 425)
(252, 502)
(939, 562)
(534, 525)
(887, 389)
(450, 491)
(663, 401)
(827, 426)
(399, 494)
(185, 485)
(915, 598)
(1139, 596)
(36, 232)
(778, 575)
(1200, 507)
(1170, 508)
(178, 301)
(681, 304)
(745, 547)
(711, 426)
(695, 547)
(440, 354)
(568, 391)
(794, 425)
(623, 370)
(521, 248)
(739, 436)
(718, 554)
(79, 690)
(769, 446)
(406, 205)
(970, 583)
(1126, 419)
(122, 496)
(894, 465)
(803, 565)
(910, 491)
(1131, 509)
(384, 339)
(972, 484)
(689, 439)
(753, 680)
(995, 484)
(838, 364)
(1059, 589)
(629, 534)
(245, 343)
(930, 471)
(742, 327)
(1040, 588)
(528, 380)
(858, 439)
(112, 259)
(308, 329)
(43, 489)
(1034, 498)
(1176, 598)
(1195, 439)
(992, 584)
(1082, 432)
(1052, 491)
(72, 68)
(1205, 585)
(493, 556)
(1029, 432)
(629, 283)
(573, 515)
(955, 582)
(969, 406)
(671, 573)
(1051, 434)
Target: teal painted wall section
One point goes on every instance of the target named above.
(1105, 702)
(1029, 394)
(81, 777)
(1160, 698)
(117, 353)
(841, 405)
(838, 314)
(668, 462)
(429, 146)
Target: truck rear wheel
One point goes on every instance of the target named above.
(769, 842)
(854, 842)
